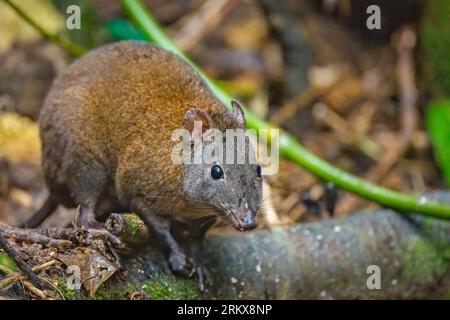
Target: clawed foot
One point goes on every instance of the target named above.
(97, 229)
(181, 265)
(203, 276)
(113, 240)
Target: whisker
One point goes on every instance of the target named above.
(173, 197)
(207, 221)
(290, 186)
(199, 209)
(197, 216)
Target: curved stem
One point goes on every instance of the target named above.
(290, 148)
(64, 43)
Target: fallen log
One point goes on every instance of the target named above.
(378, 254)
(333, 260)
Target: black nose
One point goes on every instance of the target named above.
(247, 221)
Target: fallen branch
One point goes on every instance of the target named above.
(32, 237)
(13, 277)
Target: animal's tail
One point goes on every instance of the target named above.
(47, 209)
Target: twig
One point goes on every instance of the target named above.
(35, 269)
(21, 264)
(33, 236)
(406, 81)
(407, 99)
(202, 22)
(302, 100)
(43, 266)
(63, 42)
(345, 132)
(5, 270)
(30, 287)
(13, 277)
(60, 237)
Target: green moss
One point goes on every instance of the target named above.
(135, 225)
(169, 288)
(158, 288)
(437, 234)
(446, 254)
(68, 293)
(120, 292)
(104, 292)
(134, 230)
(422, 261)
(101, 293)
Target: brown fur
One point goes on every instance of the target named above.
(112, 113)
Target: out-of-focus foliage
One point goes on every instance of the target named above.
(438, 125)
(121, 29)
(91, 33)
(19, 138)
(436, 44)
(14, 28)
(6, 261)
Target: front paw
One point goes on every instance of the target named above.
(113, 240)
(180, 264)
(203, 276)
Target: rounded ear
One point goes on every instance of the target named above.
(197, 121)
(238, 113)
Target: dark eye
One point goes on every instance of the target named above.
(258, 170)
(216, 172)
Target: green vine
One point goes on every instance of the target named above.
(73, 48)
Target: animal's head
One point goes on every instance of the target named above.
(222, 178)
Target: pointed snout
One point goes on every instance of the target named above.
(247, 221)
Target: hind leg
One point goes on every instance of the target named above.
(86, 216)
(87, 183)
(87, 220)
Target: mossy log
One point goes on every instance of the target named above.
(324, 260)
(330, 259)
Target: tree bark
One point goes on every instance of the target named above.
(331, 259)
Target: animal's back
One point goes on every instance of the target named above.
(106, 129)
(113, 104)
